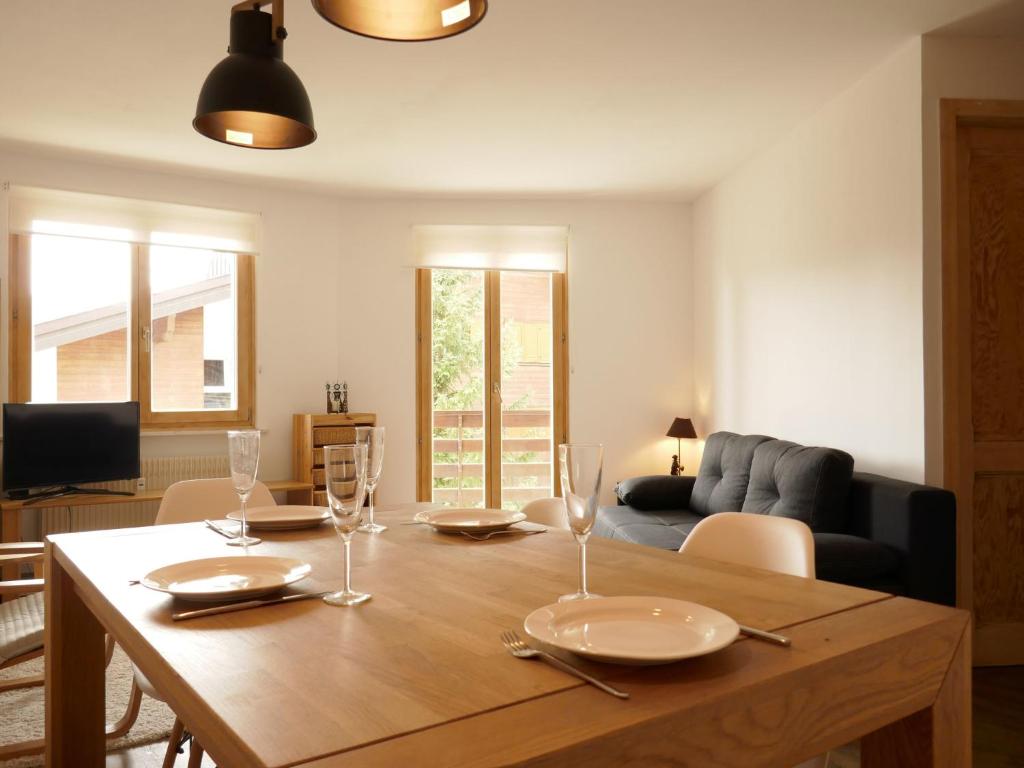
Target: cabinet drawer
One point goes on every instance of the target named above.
(333, 436)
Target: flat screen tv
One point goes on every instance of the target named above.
(48, 445)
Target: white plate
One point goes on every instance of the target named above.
(632, 630)
(226, 578)
(465, 519)
(284, 517)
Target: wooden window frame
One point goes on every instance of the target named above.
(20, 347)
(492, 379)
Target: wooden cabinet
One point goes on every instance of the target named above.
(311, 432)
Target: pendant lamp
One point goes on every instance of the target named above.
(403, 20)
(252, 98)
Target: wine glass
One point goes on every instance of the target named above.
(345, 479)
(580, 465)
(244, 458)
(373, 439)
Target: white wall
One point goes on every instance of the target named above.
(335, 299)
(958, 68)
(808, 271)
(629, 320)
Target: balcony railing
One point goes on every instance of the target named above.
(458, 450)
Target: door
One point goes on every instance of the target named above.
(983, 346)
(490, 385)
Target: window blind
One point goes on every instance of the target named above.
(34, 210)
(524, 248)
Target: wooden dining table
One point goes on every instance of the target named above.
(417, 676)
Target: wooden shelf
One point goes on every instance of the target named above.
(84, 500)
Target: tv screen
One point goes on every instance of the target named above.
(69, 443)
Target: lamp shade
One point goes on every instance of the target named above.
(681, 428)
(403, 20)
(252, 98)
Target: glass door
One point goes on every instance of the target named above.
(491, 385)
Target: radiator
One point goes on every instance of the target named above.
(159, 473)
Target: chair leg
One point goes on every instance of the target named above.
(172, 743)
(131, 714)
(22, 749)
(21, 682)
(195, 754)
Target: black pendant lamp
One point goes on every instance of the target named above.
(252, 98)
(403, 20)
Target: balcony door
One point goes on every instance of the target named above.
(491, 385)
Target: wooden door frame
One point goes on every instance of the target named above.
(957, 430)
(560, 374)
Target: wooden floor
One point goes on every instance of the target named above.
(998, 728)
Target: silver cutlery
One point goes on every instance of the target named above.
(222, 531)
(521, 650)
(486, 536)
(231, 607)
(768, 637)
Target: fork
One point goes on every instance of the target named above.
(486, 536)
(223, 532)
(521, 650)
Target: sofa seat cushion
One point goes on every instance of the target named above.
(724, 473)
(853, 560)
(806, 484)
(665, 529)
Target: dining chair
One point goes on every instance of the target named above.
(190, 501)
(761, 541)
(547, 512)
(22, 622)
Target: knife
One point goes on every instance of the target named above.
(769, 637)
(231, 607)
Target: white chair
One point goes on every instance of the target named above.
(190, 501)
(550, 512)
(760, 541)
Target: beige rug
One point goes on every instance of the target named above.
(21, 712)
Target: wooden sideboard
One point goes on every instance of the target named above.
(310, 433)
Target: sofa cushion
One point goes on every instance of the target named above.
(721, 483)
(665, 529)
(808, 484)
(853, 560)
(656, 491)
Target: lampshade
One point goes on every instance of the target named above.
(252, 98)
(681, 428)
(404, 20)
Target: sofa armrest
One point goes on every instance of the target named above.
(651, 493)
(919, 522)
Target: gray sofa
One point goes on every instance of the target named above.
(869, 531)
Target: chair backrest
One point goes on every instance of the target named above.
(760, 541)
(189, 501)
(547, 512)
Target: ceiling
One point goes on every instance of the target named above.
(632, 98)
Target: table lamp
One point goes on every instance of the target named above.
(680, 428)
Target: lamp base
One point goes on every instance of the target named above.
(676, 467)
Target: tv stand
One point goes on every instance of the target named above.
(68, 490)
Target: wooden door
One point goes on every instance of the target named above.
(983, 300)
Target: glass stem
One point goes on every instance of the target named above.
(371, 506)
(348, 564)
(583, 567)
(241, 533)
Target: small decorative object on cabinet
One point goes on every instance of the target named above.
(337, 397)
(680, 429)
(310, 433)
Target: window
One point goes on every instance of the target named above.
(98, 316)
(491, 365)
